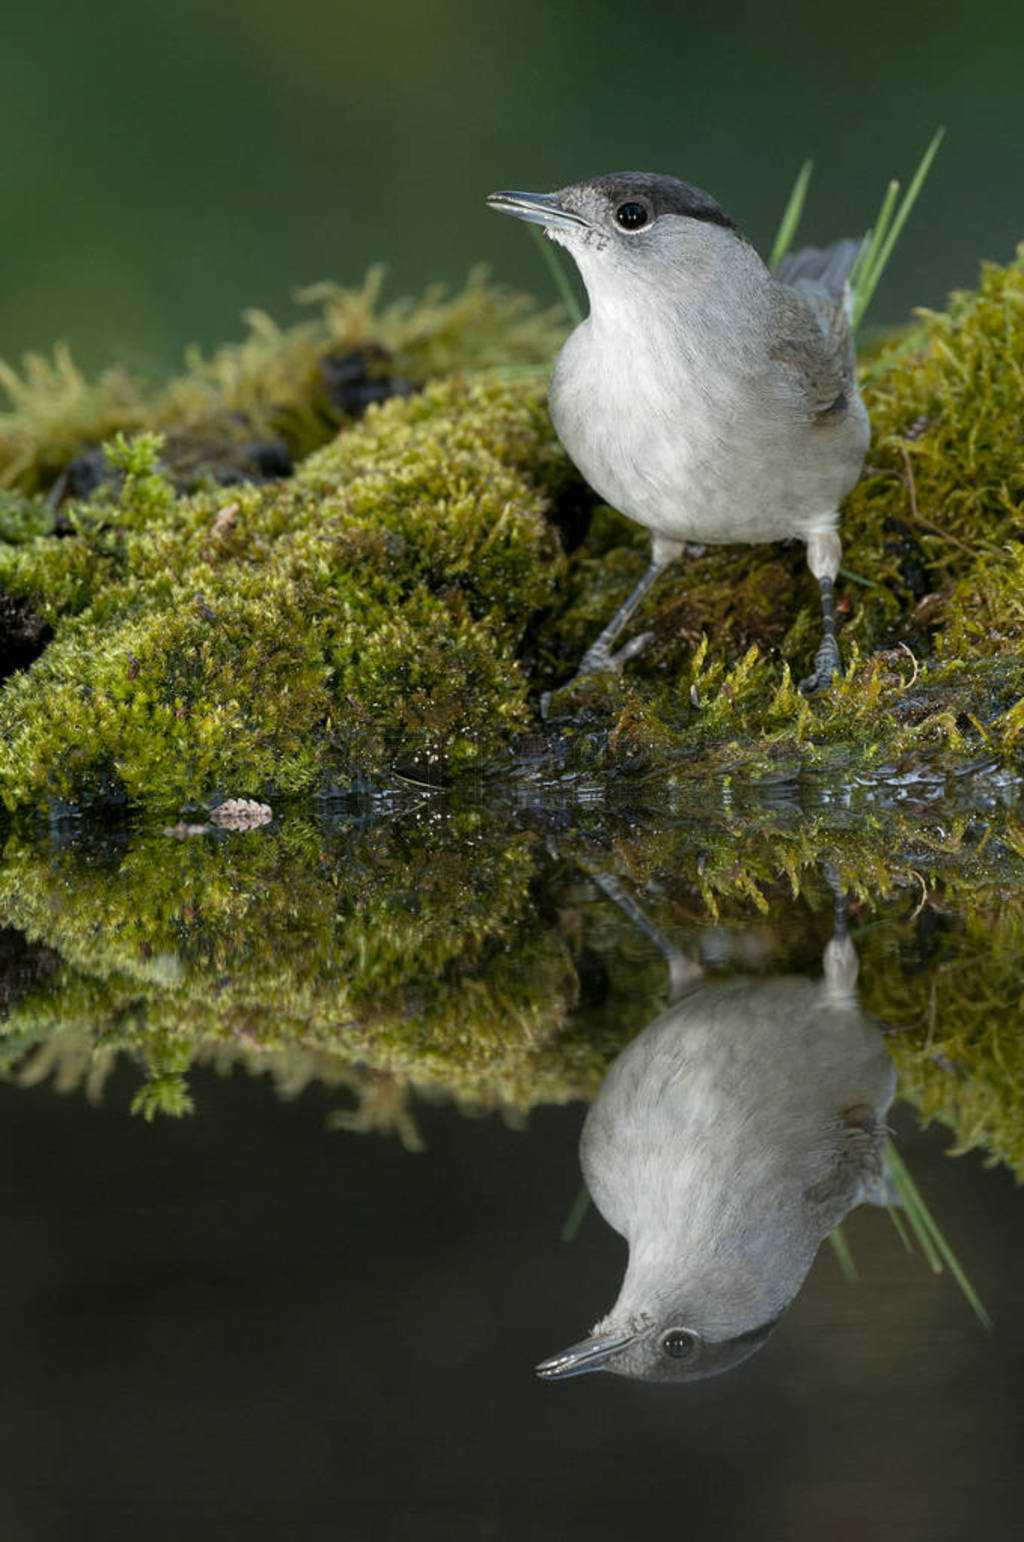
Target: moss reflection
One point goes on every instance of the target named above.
(462, 950)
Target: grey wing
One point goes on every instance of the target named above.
(810, 339)
(858, 1173)
(825, 269)
(811, 349)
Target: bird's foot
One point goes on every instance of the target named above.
(830, 873)
(598, 660)
(827, 665)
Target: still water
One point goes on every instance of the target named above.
(302, 1288)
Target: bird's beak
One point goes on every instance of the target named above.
(591, 1355)
(537, 208)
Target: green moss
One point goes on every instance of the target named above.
(401, 601)
(22, 519)
(272, 384)
(365, 615)
(945, 468)
(960, 1054)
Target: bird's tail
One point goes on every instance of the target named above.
(825, 269)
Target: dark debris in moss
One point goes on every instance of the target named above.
(23, 634)
(252, 408)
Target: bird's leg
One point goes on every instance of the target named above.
(826, 660)
(823, 560)
(684, 974)
(599, 658)
(840, 961)
(830, 873)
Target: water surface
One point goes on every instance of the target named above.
(304, 1286)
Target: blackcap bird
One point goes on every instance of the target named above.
(704, 398)
(726, 1142)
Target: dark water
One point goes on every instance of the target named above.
(166, 166)
(242, 1326)
(241, 1322)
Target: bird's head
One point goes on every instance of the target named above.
(649, 1349)
(629, 223)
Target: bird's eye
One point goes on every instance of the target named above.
(631, 216)
(679, 1343)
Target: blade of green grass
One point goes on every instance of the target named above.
(901, 1230)
(791, 215)
(574, 1219)
(858, 578)
(886, 236)
(872, 244)
(900, 219)
(919, 1213)
(559, 275)
(893, 355)
(858, 264)
(909, 1197)
(842, 1250)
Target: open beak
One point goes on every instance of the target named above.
(591, 1355)
(537, 208)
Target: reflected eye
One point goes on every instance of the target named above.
(631, 216)
(679, 1343)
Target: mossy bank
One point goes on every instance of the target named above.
(395, 601)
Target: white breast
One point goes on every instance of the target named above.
(681, 433)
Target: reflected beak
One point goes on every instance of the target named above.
(591, 1355)
(537, 208)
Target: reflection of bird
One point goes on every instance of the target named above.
(726, 1142)
(704, 398)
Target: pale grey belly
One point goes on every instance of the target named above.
(712, 472)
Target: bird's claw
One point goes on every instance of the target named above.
(830, 873)
(598, 661)
(827, 665)
(630, 650)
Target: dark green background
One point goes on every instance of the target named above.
(166, 165)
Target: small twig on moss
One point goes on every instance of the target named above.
(915, 513)
(910, 655)
(927, 524)
(911, 485)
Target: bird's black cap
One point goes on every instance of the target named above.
(665, 195)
